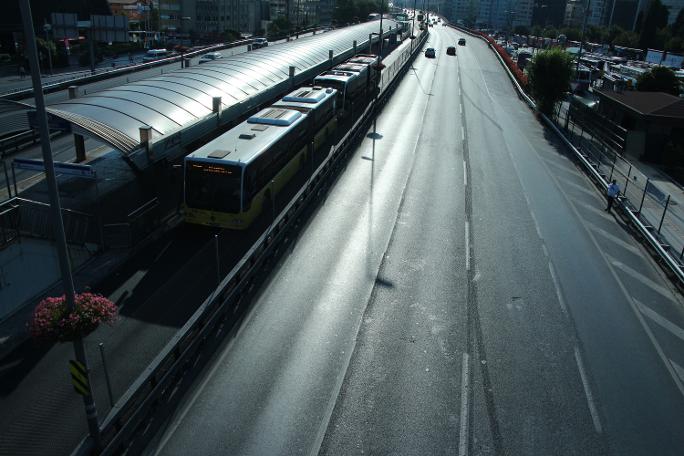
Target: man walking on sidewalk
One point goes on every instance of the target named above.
(612, 194)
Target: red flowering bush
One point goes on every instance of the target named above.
(52, 322)
(520, 76)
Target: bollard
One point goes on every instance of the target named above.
(216, 104)
(292, 75)
(354, 46)
(330, 57)
(370, 43)
(73, 92)
(187, 63)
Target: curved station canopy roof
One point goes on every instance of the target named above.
(172, 101)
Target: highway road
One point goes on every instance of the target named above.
(460, 290)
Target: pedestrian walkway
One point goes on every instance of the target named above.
(658, 198)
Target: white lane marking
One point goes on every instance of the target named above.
(612, 237)
(465, 174)
(630, 300)
(465, 406)
(587, 392)
(577, 186)
(659, 350)
(462, 133)
(660, 320)
(679, 369)
(556, 285)
(594, 209)
(563, 167)
(460, 108)
(162, 252)
(642, 278)
(536, 224)
(467, 245)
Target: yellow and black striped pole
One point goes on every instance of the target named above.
(79, 377)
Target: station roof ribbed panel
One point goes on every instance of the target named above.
(174, 100)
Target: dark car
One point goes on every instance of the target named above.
(430, 53)
(451, 50)
(461, 42)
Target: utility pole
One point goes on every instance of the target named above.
(58, 223)
(413, 22)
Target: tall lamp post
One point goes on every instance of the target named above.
(55, 208)
(382, 7)
(584, 27)
(47, 28)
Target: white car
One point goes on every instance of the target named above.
(259, 43)
(210, 56)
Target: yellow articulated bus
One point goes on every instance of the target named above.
(232, 179)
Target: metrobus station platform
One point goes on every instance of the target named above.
(122, 220)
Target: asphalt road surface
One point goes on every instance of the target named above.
(460, 290)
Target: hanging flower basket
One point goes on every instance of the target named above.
(52, 323)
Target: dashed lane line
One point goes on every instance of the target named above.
(587, 392)
(465, 174)
(465, 406)
(556, 285)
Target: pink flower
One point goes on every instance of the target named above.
(52, 322)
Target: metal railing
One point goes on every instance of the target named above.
(32, 218)
(138, 413)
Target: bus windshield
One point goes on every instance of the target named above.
(213, 186)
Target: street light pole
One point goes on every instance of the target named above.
(413, 22)
(584, 26)
(47, 28)
(382, 7)
(60, 237)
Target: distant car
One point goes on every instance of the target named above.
(451, 50)
(430, 53)
(259, 43)
(210, 57)
(155, 54)
(461, 42)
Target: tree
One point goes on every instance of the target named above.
(627, 39)
(656, 18)
(678, 25)
(549, 75)
(659, 79)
